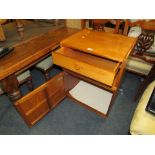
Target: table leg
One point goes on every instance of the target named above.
(2, 36)
(11, 87)
(150, 77)
(20, 28)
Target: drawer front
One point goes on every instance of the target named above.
(36, 104)
(85, 69)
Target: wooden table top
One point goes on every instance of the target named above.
(112, 46)
(32, 50)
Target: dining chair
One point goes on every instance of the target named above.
(145, 47)
(107, 25)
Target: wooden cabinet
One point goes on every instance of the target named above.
(42, 100)
(93, 64)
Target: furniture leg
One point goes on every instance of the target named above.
(11, 87)
(20, 28)
(47, 76)
(2, 36)
(144, 84)
(30, 84)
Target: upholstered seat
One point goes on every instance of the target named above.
(24, 75)
(22, 78)
(45, 66)
(143, 122)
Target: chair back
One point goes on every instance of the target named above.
(145, 35)
(101, 24)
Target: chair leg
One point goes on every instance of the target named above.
(47, 76)
(30, 84)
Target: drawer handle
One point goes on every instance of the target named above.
(77, 67)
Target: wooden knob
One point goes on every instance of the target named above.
(77, 67)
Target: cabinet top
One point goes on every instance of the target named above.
(112, 46)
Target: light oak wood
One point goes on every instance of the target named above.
(112, 46)
(2, 36)
(96, 57)
(96, 68)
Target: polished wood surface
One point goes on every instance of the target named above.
(32, 50)
(97, 68)
(112, 46)
(96, 57)
(26, 55)
(38, 103)
(80, 65)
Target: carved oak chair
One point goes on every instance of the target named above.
(145, 44)
(45, 66)
(22, 77)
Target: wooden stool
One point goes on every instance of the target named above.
(45, 66)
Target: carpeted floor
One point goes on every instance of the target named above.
(71, 118)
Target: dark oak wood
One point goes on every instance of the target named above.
(147, 80)
(32, 50)
(38, 103)
(11, 86)
(29, 53)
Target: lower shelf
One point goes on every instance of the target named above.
(92, 96)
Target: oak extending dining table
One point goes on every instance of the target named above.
(26, 54)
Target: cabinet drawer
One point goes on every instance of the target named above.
(96, 68)
(36, 104)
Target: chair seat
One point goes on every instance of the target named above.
(143, 122)
(45, 64)
(138, 65)
(24, 75)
